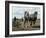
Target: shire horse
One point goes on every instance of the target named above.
(26, 16)
(31, 18)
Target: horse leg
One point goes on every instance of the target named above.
(34, 21)
(31, 22)
(24, 23)
(28, 24)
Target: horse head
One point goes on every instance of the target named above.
(36, 12)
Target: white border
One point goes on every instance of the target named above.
(25, 32)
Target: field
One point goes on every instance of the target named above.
(20, 26)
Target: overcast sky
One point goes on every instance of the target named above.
(18, 12)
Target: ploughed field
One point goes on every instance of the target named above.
(20, 26)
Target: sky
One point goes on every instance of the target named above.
(18, 12)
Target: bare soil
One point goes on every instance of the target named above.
(27, 26)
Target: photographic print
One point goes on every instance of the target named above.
(25, 18)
